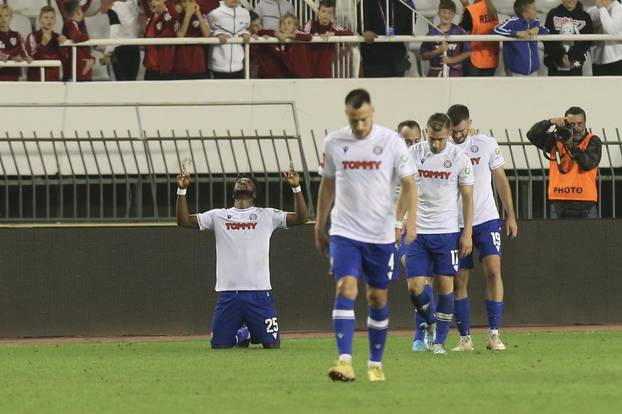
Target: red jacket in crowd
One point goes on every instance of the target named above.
(11, 45)
(76, 32)
(190, 59)
(50, 51)
(283, 61)
(84, 5)
(160, 58)
(322, 55)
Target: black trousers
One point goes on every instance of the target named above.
(228, 75)
(469, 70)
(125, 63)
(609, 69)
(153, 75)
(572, 72)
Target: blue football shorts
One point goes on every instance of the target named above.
(432, 254)
(487, 241)
(255, 308)
(374, 262)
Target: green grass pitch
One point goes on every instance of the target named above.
(544, 372)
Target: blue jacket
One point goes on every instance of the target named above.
(520, 57)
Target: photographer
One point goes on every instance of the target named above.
(574, 155)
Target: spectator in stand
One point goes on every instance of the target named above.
(522, 58)
(85, 5)
(159, 60)
(296, 57)
(322, 55)
(266, 62)
(229, 20)
(607, 56)
(190, 59)
(44, 44)
(443, 53)
(75, 30)
(385, 59)
(123, 19)
(567, 58)
(480, 18)
(11, 45)
(271, 12)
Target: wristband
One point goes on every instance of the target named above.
(181, 191)
(399, 225)
(296, 189)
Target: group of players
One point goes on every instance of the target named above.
(445, 208)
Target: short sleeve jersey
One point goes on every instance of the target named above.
(485, 156)
(242, 245)
(438, 185)
(366, 172)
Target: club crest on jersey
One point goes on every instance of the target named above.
(195, 24)
(228, 216)
(378, 150)
(253, 216)
(361, 165)
(159, 26)
(241, 226)
(447, 164)
(474, 148)
(13, 41)
(345, 149)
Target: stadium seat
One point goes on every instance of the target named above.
(29, 8)
(21, 24)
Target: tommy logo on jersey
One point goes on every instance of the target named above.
(361, 165)
(443, 175)
(241, 226)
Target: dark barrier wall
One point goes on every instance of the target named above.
(159, 280)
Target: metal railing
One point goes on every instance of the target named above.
(343, 40)
(41, 64)
(527, 171)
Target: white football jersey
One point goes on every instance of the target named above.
(438, 181)
(485, 156)
(242, 245)
(366, 172)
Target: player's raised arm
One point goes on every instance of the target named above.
(184, 219)
(408, 199)
(300, 214)
(325, 200)
(505, 193)
(466, 239)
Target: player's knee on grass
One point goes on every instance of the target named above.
(221, 346)
(272, 345)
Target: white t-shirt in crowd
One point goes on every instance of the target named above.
(485, 156)
(366, 172)
(242, 245)
(438, 181)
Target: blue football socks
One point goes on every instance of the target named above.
(444, 314)
(377, 328)
(343, 324)
(495, 313)
(462, 314)
(419, 321)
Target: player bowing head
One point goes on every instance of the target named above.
(360, 113)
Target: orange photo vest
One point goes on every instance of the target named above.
(576, 184)
(484, 55)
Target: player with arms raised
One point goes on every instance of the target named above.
(487, 161)
(361, 167)
(242, 251)
(445, 175)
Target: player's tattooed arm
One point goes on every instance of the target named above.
(325, 200)
(505, 193)
(465, 244)
(184, 219)
(300, 214)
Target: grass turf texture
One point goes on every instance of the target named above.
(540, 372)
